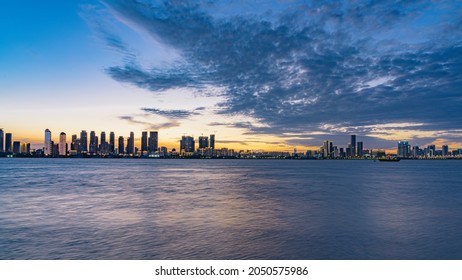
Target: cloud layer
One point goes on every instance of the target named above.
(301, 67)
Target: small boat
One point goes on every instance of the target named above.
(390, 159)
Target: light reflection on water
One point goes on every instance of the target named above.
(229, 209)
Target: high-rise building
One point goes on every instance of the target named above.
(403, 149)
(328, 149)
(83, 142)
(111, 142)
(93, 142)
(203, 142)
(8, 142)
(131, 144)
(359, 149)
(2, 149)
(445, 150)
(48, 148)
(16, 147)
(153, 141)
(187, 144)
(62, 144)
(103, 147)
(121, 145)
(353, 145)
(144, 141)
(212, 141)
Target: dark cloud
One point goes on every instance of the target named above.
(296, 67)
(176, 114)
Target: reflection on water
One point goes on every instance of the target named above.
(229, 209)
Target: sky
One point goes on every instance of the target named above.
(273, 75)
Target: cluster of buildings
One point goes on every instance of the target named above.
(353, 149)
(103, 145)
(405, 150)
(90, 144)
(10, 147)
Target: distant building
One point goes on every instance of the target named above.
(328, 149)
(353, 145)
(83, 142)
(111, 142)
(16, 147)
(62, 144)
(360, 148)
(93, 143)
(153, 141)
(212, 141)
(144, 141)
(103, 146)
(8, 142)
(403, 149)
(48, 148)
(445, 150)
(415, 151)
(203, 142)
(163, 151)
(131, 144)
(2, 149)
(121, 145)
(187, 145)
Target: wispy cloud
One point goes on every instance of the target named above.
(150, 125)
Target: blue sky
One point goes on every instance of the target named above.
(265, 74)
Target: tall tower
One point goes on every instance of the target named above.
(403, 149)
(48, 148)
(103, 146)
(212, 141)
(144, 141)
(1, 141)
(153, 141)
(83, 142)
(360, 148)
(121, 145)
(93, 143)
(111, 142)
(8, 142)
(62, 144)
(131, 144)
(353, 145)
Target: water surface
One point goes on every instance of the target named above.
(229, 209)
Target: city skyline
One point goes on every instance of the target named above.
(90, 144)
(263, 75)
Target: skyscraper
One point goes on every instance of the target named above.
(187, 144)
(16, 147)
(48, 148)
(121, 145)
(403, 149)
(445, 150)
(111, 142)
(103, 147)
(62, 144)
(1, 141)
(93, 143)
(353, 145)
(144, 141)
(203, 142)
(359, 150)
(8, 142)
(212, 141)
(83, 142)
(153, 141)
(131, 144)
